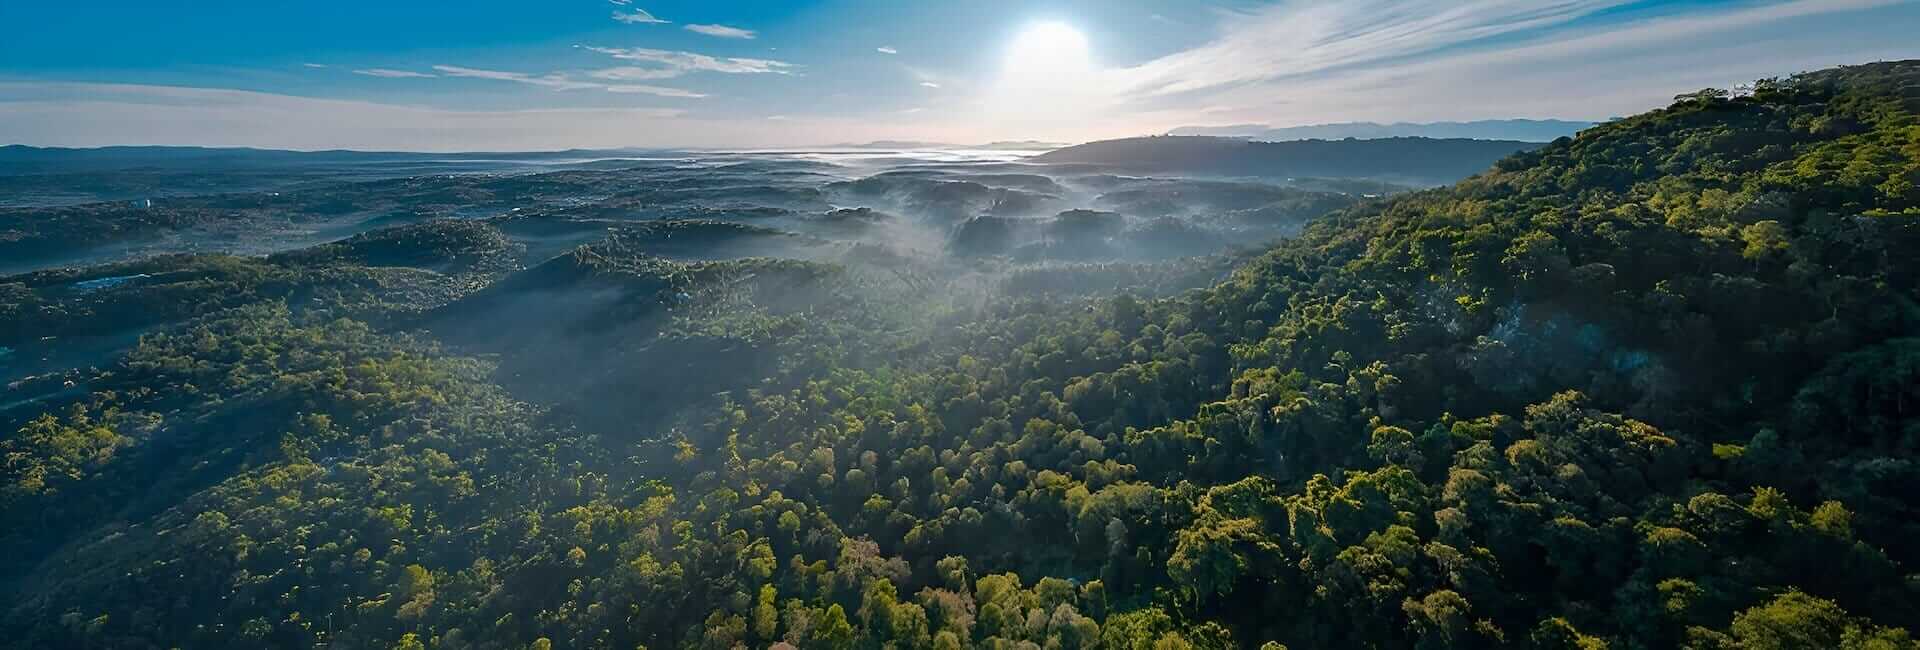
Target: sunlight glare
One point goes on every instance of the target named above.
(1048, 51)
(1048, 75)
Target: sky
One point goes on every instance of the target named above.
(519, 75)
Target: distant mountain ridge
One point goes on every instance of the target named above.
(1426, 161)
(1004, 145)
(1515, 129)
(23, 159)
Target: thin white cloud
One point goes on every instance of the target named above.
(886, 50)
(1677, 30)
(638, 17)
(1444, 59)
(684, 62)
(389, 73)
(723, 31)
(622, 3)
(315, 65)
(929, 84)
(560, 81)
(635, 73)
(555, 81)
(658, 91)
(1295, 38)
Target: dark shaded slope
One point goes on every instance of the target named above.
(617, 338)
(446, 246)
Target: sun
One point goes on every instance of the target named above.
(1050, 44)
(1050, 79)
(1047, 53)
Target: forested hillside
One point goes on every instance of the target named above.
(1655, 386)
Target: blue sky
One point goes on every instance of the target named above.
(517, 74)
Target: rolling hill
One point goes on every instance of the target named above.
(1414, 160)
(1522, 130)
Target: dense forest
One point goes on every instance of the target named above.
(1654, 386)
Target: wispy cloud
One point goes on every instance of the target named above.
(1675, 33)
(723, 31)
(555, 81)
(637, 17)
(635, 73)
(929, 84)
(658, 91)
(886, 50)
(673, 63)
(561, 81)
(1453, 59)
(314, 65)
(389, 73)
(1295, 38)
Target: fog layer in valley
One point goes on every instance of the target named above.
(571, 266)
(65, 208)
